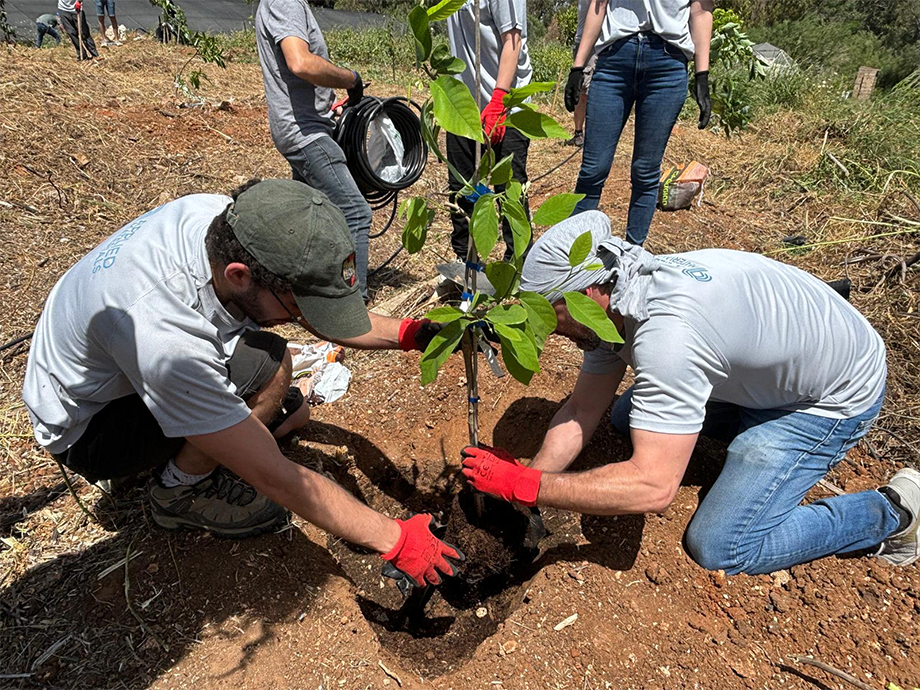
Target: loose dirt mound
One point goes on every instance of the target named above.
(88, 147)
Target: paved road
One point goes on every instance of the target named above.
(202, 15)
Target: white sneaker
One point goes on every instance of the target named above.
(903, 548)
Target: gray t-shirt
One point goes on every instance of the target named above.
(298, 111)
(67, 5)
(138, 314)
(670, 19)
(51, 20)
(741, 328)
(496, 18)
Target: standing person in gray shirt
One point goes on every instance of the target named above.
(74, 21)
(730, 345)
(299, 81)
(642, 47)
(45, 25)
(505, 64)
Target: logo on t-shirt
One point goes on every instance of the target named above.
(690, 268)
(699, 274)
(348, 270)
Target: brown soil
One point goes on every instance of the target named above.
(302, 610)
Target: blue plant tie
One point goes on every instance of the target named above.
(474, 400)
(478, 192)
(475, 266)
(464, 296)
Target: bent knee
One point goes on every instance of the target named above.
(709, 548)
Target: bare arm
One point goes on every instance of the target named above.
(701, 32)
(249, 450)
(508, 59)
(575, 422)
(594, 20)
(384, 334)
(312, 68)
(646, 483)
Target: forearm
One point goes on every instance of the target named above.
(701, 33)
(321, 72)
(384, 334)
(614, 489)
(594, 20)
(508, 60)
(563, 442)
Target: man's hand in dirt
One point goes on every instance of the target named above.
(419, 557)
(495, 471)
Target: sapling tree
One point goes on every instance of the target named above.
(522, 320)
(208, 49)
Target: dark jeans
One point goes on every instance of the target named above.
(124, 438)
(43, 29)
(646, 72)
(753, 520)
(321, 164)
(69, 21)
(461, 154)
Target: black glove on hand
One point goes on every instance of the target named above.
(356, 92)
(701, 94)
(573, 88)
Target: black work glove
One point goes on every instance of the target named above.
(356, 92)
(573, 88)
(701, 94)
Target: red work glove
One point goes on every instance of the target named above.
(493, 115)
(77, 6)
(494, 471)
(420, 555)
(416, 334)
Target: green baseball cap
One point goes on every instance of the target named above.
(295, 232)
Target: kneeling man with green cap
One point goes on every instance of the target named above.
(727, 344)
(148, 355)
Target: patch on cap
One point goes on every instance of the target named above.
(348, 270)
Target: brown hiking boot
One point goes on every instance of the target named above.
(221, 503)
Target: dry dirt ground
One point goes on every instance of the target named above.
(85, 148)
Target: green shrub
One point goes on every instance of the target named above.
(549, 60)
(567, 24)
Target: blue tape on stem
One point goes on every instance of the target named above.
(466, 296)
(475, 266)
(478, 192)
(474, 400)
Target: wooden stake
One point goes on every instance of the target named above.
(80, 32)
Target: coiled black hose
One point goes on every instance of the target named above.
(351, 136)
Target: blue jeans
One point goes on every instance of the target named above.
(321, 164)
(43, 29)
(645, 71)
(751, 521)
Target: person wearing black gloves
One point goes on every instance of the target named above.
(643, 51)
(299, 81)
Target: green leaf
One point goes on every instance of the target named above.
(557, 208)
(418, 217)
(484, 224)
(521, 344)
(506, 314)
(513, 366)
(445, 63)
(534, 125)
(501, 173)
(580, 248)
(593, 267)
(540, 315)
(589, 313)
(454, 108)
(439, 349)
(444, 314)
(516, 97)
(520, 226)
(514, 190)
(502, 276)
(418, 22)
(486, 164)
(444, 9)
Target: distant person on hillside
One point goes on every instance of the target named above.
(101, 7)
(74, 20)
(579, 138)
(505, 65)
(299, 82)
(642, 48)
(45, 25)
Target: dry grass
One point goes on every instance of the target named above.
(87, 147)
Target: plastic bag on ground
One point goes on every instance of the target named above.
(321, 361)
(680, 184)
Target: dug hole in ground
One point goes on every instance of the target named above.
(302, 610)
